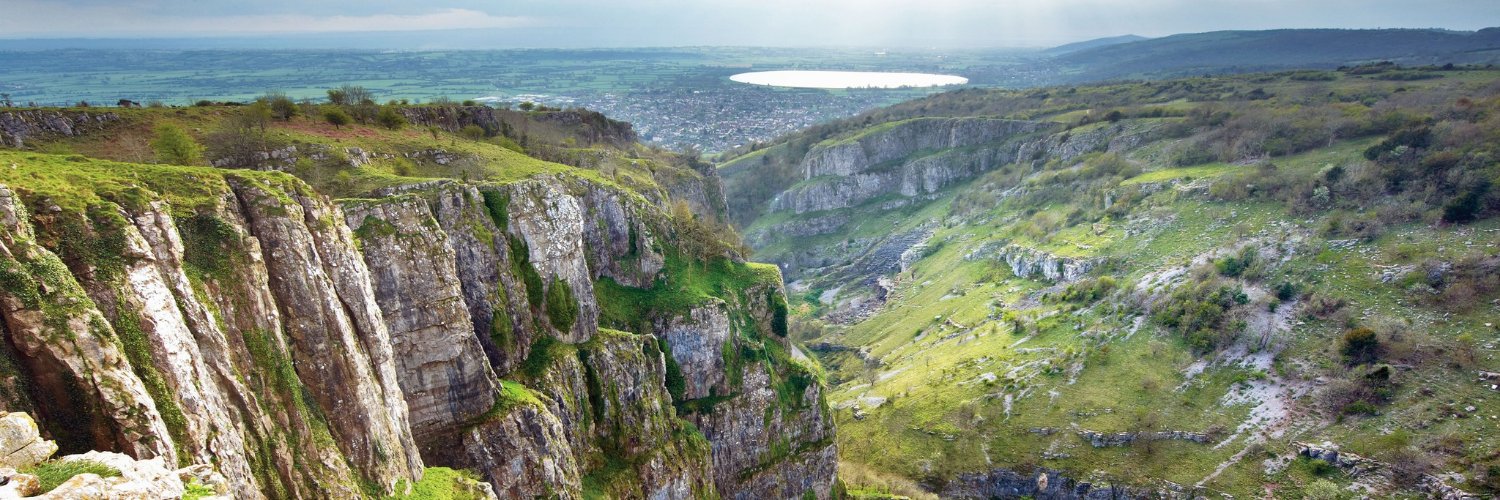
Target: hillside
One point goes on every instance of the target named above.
(1275, 284)
(414, 304)
(1269, 50)
(1092, 44)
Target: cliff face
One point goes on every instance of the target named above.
(908, 158)
(16, 127)
(243, 334)
(309, 349)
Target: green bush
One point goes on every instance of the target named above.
(1360, 345)
(336, 116)
(562, 308)
(520, 261)
(173, 146)
(1359, 408)
(1235, 266)
(473, 132)
(540, 357)
(1286, 291)
(675, 382)
(1465, 208)
(1200, 313)
(778, 313)
(390, 118)
(1087, 291)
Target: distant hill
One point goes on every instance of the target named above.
(1092, 44)
(1246, 51)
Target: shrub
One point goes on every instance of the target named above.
(1196, 153)
(562, 308)
(473, 132)
(1323, 489)
(282, 107)
(1286, 291)
(1465, 208)
(1360, 345)
(1200, 313)
(1359, 408)
(1236, 265)
(336, 116)
(541, 356)
(1088, 291)
(173, 146)
(390, 118)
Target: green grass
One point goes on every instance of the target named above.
(54, 473)
(442, 483)
(195, 490)
(1186, 173)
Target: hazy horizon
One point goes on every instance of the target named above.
(450, 24)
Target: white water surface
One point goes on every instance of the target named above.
(846, 79)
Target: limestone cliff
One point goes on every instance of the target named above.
(20, 126)
(312, 349)
(907, 158)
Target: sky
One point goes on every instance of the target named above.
(625, 23)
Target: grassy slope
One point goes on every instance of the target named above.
(951, 324)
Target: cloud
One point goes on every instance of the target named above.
(104, 21)
(572, 23)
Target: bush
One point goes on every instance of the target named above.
(173, 146)
(1200, 313)
(1359, 408)
(336, 116)
(1360, 345)
(1236, 266)
(541, 356)
(562, 308)
(1087, 291)
(1465, 208)
(282, 107)
(390, 118)
(1196, 153)
(1286, 291)
(473, 132)
(1323, 489)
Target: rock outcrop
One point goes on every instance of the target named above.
(16, 127)
(908, 158)
(102, 475)
(1028, 262)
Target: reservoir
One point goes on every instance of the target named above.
(846, 79)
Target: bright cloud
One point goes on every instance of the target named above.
(103, 21)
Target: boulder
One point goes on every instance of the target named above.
(21, 444)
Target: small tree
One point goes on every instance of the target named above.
(336, 116)
(172, 145)
(338, 97)
(282, 107)
(257, 115)
(357, 95)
